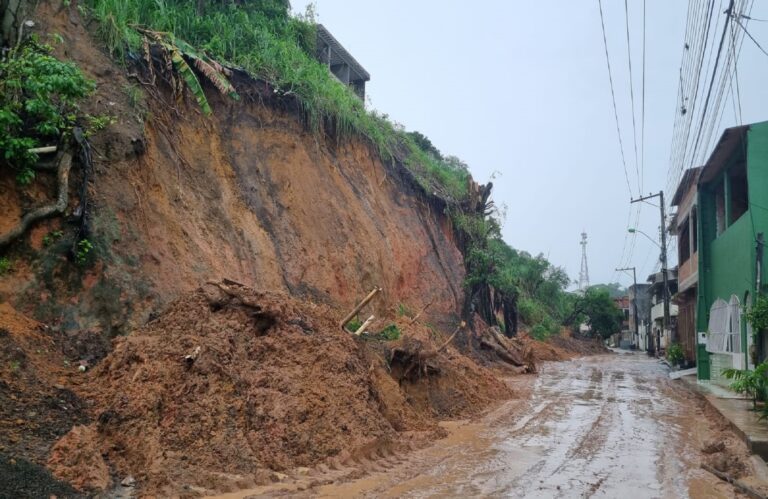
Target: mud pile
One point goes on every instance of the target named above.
(35, 407)
(230, 383)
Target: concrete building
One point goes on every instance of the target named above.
(662, 336)
(733, 218)
(639, 314)
(623, 339)
(341, 64)
(684, 227)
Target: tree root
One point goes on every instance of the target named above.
(47, 211)
(418, 358)
(493, 340)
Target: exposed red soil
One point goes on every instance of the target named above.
(276, 385)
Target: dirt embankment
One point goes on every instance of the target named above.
(179, 199)
(248, 194)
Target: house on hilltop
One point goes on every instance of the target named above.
(340, 62)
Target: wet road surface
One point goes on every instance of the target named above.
(603, 426)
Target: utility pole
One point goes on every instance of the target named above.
(664, 270)
(634, 298)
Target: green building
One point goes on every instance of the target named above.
(732, 218)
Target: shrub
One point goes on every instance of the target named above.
(354, 324)
(753, 384)
(675, 354)
(389, 333)
(757, 315)
(39, 96)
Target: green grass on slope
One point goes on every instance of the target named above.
(262, 38)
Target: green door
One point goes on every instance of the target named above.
(702, 361)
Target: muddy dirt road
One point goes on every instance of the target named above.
(604, 426)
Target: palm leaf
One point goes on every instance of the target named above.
(181, 67)
(219, 81)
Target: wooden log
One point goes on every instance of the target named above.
(503, 353)
(736, 483)
(359, 306)
(42, 150)
(362, 328)
(501, 340)
(442, 347)
(416, 317)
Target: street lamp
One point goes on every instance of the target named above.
(632, 230)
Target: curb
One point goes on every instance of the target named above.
(757, 446)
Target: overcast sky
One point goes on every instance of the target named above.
(520, 91)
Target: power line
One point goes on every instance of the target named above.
(613, 97)
(632, 94)
(712, 80)
(642, 119)
(751, 37)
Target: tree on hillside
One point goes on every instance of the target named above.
(597, 309)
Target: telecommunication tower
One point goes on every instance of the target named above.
(584, 273)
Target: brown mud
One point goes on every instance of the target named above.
(605, 426)
(274, 385)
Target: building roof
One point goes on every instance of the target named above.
(340, 54)
(726, 146)
(690, 178)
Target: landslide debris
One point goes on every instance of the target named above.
(230, 383)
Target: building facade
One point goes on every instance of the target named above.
(684, 227)
(733, 217)
(661, 336)
(622, 339)
(640, 314)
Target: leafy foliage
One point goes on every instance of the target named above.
(84, 249)
(389, 333)
(753, 384)
(596, 308)
(757, 315)
(675, 353)
(52, 237)
(39, 98)
(354, 324)
(537, 286)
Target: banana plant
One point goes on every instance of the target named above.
(179, 52)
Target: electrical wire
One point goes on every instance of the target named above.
(751, 37)
(613, 97)
(632, 95)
